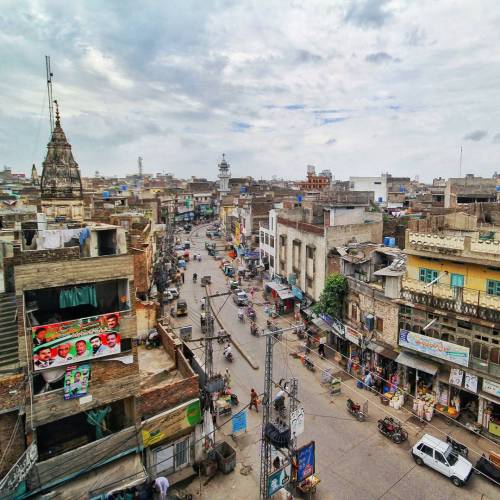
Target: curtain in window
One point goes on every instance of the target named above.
(78, 296)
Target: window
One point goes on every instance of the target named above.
(271, 241)
(495, 355)
(271, 261)
(354, 312)
(457, 280)
(440, 458)
(379, 324)
(310, 252)
(425, 449)
(493, 287)
(480, 351)
(266, 238)
(428, 275)
(181, 457)
(309, 283)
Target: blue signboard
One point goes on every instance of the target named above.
(239, 422)
(305, 461)
(326, 318)
(278, 480)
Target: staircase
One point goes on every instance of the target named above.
(9, 355)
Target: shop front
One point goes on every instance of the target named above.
(457, 396)
(280, 296)
(489, 408)
(417, 376)
(169, 440)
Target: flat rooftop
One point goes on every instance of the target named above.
(156, 367)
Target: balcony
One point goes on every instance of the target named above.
(454, 299)
(471, 247)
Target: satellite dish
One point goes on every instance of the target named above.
(53, 375)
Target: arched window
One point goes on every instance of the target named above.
(495, 355)
(480, 351)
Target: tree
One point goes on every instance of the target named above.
(331, 300)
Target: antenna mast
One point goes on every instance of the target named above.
(49, 92)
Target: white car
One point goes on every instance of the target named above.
(240, 298)
(440, 456)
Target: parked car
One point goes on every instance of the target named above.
(240, 298)
(489, 467)
(174, 292)
(440, 456)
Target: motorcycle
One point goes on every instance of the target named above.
(229, 357)
(195, 277)
(251, 314)
(241, 317)
(461, 449)
(355, 410)
(393, 430)
(254, 330)
(309, 364)
(220, 336)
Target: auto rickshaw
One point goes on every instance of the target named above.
(228, 271)
(182, 308)
(233, 285)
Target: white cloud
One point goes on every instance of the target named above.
(170, 82)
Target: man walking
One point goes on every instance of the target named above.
(254, 400)
(321, 347)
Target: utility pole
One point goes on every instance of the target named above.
(209, 334)
(265, 445)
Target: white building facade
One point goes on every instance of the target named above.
(267, 242)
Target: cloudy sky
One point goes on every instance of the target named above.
(355, 86)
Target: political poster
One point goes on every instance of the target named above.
(76, 381)
(69, 342)
(305, 461)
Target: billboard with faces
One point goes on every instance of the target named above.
(69, 342)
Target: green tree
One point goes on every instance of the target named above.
(331, 300)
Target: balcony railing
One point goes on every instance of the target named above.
(455, 299)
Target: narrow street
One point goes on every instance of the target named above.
(353, 459)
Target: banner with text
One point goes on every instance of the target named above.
(83, 339)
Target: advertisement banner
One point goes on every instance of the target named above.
(237, 234)
(305, 461)
(456, 377)
(491, 387)
(76, 381)
(278, 480)
(470, 382)
(83, 339)
(434, 347)
(171, 422)
(352, 335)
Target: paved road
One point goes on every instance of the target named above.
(353, 459)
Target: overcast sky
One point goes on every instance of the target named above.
(358, 87)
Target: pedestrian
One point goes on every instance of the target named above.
(254, 400)
(252, 291)
(227, 379)
(182, 277)
(321, 347)
(161, 487)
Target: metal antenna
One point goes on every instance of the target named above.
(49, 92)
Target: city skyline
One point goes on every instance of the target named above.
(275, 88)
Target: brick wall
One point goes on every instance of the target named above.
(159, 399)
(31, 256)
(12, 392)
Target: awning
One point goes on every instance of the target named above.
(286, 294)
(388, 271)
(322, 325)
(105, 479)
(308, 311)
(375, 347)
(417, 363)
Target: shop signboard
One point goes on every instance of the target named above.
(239, 422)
(434, 347)
(352, 335)
(491, 387)
(326, 318)
(69, 342)
(305, 461)
(339, 328)
(237, 234)
(456, 377)
(76, 381)
(470, 382)
(171, 422)
(278, 479)
(297, 422)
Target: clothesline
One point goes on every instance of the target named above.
(49, 239)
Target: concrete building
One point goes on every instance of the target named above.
(469, 189)
(267, 242)
(450, 316)
(379, 186)
(315, 182)
(224, 176)
(306, 235)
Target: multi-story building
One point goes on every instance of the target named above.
(315, 182)
(379, 186)
(307, 234)
(450, 317)
(469, 189)
(267, 242)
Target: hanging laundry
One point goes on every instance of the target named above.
(78, 296)
(84, 234)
